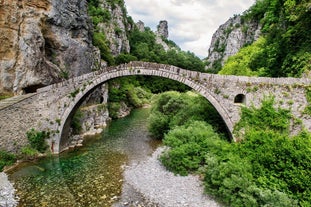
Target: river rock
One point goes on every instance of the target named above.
(7, 191)
(150, 184)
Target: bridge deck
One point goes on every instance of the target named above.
(13, 100)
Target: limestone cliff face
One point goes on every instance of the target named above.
(116, 28)
(162, 29)
(229, 39)
(162, 32)
(43, 42)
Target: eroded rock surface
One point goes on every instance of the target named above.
(229, 38)
(43, 42)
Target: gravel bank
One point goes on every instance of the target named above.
(7, 190)
(148, 183)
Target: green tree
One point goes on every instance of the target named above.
(243, 63)
(124, 58)
(176, 109)
(285, 26)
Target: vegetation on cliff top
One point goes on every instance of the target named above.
(285, 48)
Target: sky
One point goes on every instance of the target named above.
(191, 23)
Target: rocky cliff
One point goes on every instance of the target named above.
(160, 34)
(43, 42)
(229, 39)
(117, 28)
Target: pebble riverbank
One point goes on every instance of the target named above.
(7, 190)
(149, 184)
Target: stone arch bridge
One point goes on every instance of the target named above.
(51, 107)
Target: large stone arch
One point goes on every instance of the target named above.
(100, 77)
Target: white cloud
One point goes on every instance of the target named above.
(191, 22)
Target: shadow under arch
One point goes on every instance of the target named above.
(130, 70)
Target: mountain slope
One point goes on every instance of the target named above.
(285, 26)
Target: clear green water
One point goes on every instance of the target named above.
(88, 176)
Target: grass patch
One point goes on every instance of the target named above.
(5, 95)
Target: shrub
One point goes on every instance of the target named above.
(189, 145)
(265, 118)
(37, 139)
(158, 125)
(6, 159)
(28, 152)
(172, 109)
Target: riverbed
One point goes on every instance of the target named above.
(117, 168)
(88, 176)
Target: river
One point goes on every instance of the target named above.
(88, 176)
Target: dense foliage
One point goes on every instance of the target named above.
(144, 47)
(189, 144)
(267, 168)
(172, 109)
(243, 62)
(286, 26)
(126, 90)
(100, 41)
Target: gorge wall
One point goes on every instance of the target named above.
(44, 42)
(229, 38)
(117, 28)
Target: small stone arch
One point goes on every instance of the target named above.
(240, 99)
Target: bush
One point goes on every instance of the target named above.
(172, 109)
(265, 118)
(158, 125)
(189, 145)
(37, 139)
(6, 159)
(28, 152)
(279, 162)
